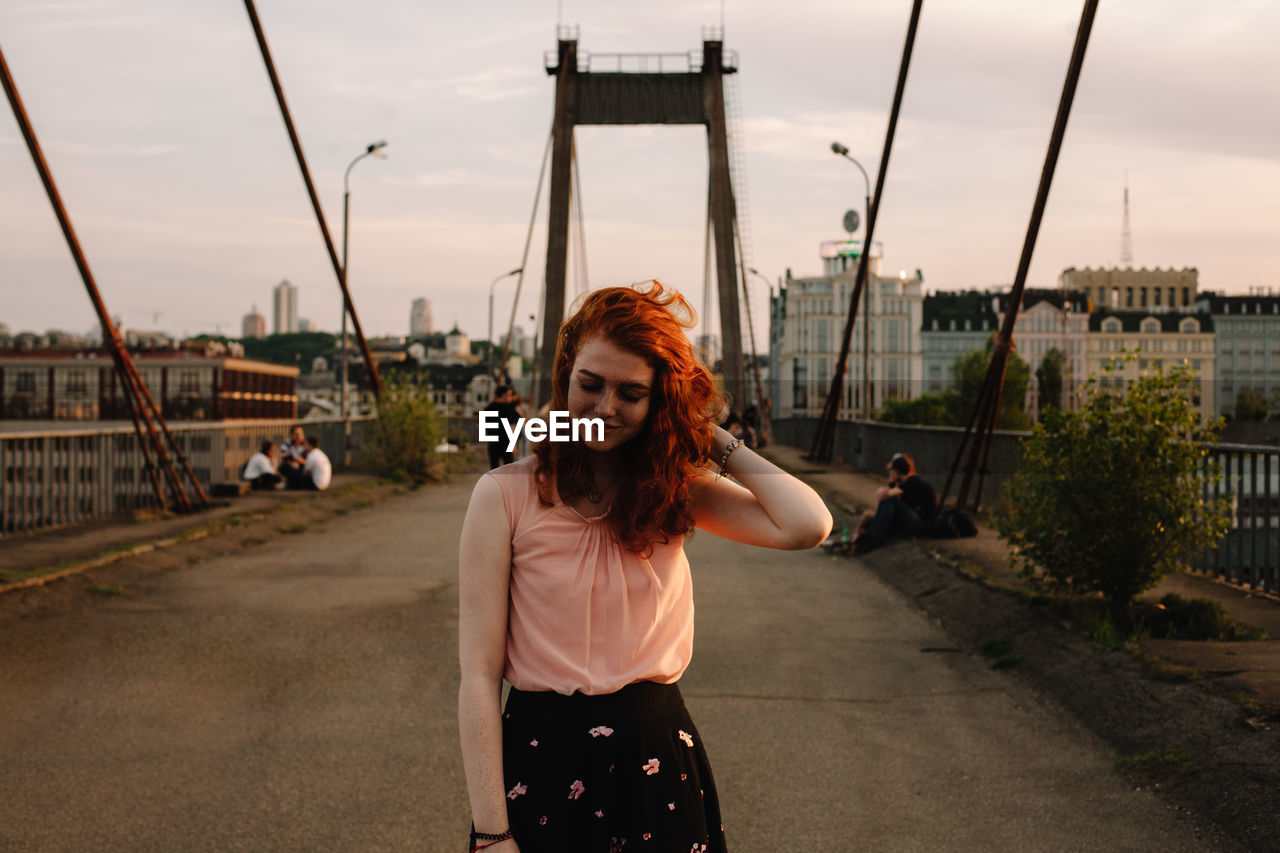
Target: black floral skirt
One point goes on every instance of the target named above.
(615, 773)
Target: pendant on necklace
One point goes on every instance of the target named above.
(593, 495)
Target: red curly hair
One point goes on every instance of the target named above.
(653, 501)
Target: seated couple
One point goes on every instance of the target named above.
(906, 508)
(303, 465)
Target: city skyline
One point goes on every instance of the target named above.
(184, 193)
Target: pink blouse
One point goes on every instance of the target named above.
(585, 613)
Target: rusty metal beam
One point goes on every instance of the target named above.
(993, 385)
(824, 437)
(371, 367)
(144, 421)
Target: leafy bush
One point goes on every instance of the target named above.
(407, 432)
(1049, 379)
(955, 406)
(926, 409)
(970, 371)
(1200, 619)
(1110, 497)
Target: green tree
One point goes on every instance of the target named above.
(407, 431)
(1049, 379)
(970, 371)
(1250, 406)
(1109, 498)
(927, 409)
(296, 349)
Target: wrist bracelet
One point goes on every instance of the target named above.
(491, 837)
(728, 450)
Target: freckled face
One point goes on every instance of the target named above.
(612, 384)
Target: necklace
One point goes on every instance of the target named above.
(595, 494)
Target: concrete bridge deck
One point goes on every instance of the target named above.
(296, 691)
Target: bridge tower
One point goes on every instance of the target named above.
(683, 88)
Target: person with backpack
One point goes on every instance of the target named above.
(906, 508)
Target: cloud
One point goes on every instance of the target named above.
(494, 84)
(455, 178)
(85, 149)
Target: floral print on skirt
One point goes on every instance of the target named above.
(614, 773)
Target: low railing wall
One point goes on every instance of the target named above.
(869, 446)
(55, 477)
(1248, 554)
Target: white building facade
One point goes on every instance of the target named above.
(808, 317)
(1156, 340)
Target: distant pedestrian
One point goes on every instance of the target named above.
(317, 471)
(575, 588)
(905, 507)
(260, 470)
(507, 404)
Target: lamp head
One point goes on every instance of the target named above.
(375, 147)
(839, 149)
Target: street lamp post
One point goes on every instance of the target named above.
(842, 151)
(492, 285)
(372, 148)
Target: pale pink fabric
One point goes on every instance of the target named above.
(585, 613)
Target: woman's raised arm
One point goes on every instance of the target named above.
(770, 508)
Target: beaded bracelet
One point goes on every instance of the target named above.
(724, 460)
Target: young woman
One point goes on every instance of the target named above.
(575, 589)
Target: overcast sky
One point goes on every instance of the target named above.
(159, 124)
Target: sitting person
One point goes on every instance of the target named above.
(317, 471)
(260, 470)
(293, 451)
(905, 507)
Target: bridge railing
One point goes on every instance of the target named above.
(1249, 553)
(54, 477)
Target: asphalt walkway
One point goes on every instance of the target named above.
(298, 692)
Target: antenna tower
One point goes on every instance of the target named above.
(1126, 238)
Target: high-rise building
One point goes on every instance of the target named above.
(254, 325)
(284, 299)
(420, 317)
(305, 324)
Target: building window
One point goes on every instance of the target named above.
(1151, 325)
(1111, 324)
(76, 384)
(26, 382)
(189, 382)
(800, 384)
(1189, 325)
